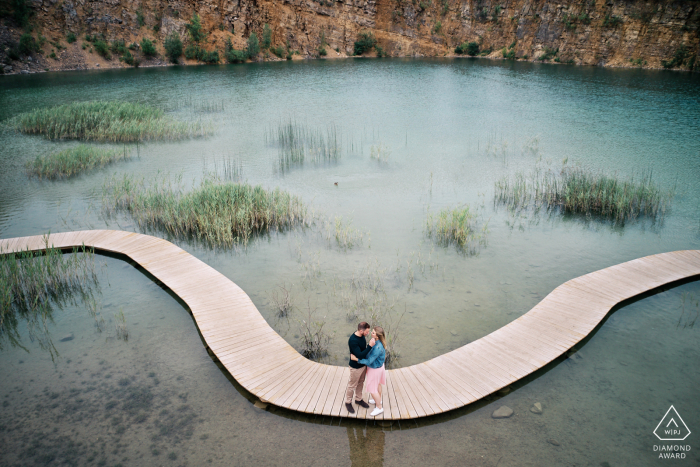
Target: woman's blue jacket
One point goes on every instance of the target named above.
(375, 357)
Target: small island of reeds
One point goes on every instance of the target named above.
(73, 161)
(221, 214)
(106, 121)
(577, 190)
(459, 226)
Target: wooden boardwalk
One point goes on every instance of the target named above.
(270, 368)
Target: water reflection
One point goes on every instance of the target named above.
(366, 446)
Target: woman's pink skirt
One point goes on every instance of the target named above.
(374, 377)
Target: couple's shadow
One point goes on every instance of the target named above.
(366, 446)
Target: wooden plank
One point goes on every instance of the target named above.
(333, 392)
(309, 403)
(395, 412)
(306, 387)
(339, 406)
(292, 386)
(420, 388)
(411, 401)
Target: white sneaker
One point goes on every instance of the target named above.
(371, 400)
(376, 412)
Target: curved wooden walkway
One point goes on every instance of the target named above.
(267, 366)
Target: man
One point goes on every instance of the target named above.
(360, 349)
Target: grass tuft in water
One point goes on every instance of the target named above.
(73, 161)
(32, 282)
(112, 121)
(298, 144)
(578, 190)
(220, 214)
(459, 226)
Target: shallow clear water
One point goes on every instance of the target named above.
(451, 128)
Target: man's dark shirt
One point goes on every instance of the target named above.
(359, 348)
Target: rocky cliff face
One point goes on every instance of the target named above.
(589, 32)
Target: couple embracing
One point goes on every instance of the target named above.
(366, 366)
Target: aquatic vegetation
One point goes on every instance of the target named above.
(314, 340)
(298, 144)
(226, 169)
(73, 161)
(459, 226)
(283, 301)
(577, 190)
(122, 331)
(345, 235)
(33, 282)
(217, 213)
(106, 121)
(379, 153)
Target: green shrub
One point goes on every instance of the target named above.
(148, 48)
(380, 51)
(611, 21)
(173, 46)
(279, 51)
(195, 29)
(191, 51)
(364, 43)
(548, 54)
(27, 44)
(53, 55)
(322, 52)
(232, 55)
(70, 37)
(21, 12)
(508, 54)
(437, 28)
(253, 45)
(678, 58)
(211, 57)
(467, 48)
(118, 47)
(129, 59)
(13, 51)
(267, 37)
(102, 49)
(139, 18)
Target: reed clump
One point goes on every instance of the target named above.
(460, 226)
(314, 339)
(33, 282)
(577, 190)
(73, 161)
(221, 214)
(106, 121)
(298, 144)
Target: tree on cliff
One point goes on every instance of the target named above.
(267, 37)
(195, 29)
(253, 45)
(173, 46)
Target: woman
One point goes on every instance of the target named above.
(376, 375)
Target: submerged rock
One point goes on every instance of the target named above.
(67, 337)
(502, 412)
(553, 442)
(536, 408)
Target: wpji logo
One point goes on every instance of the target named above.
(672, 427)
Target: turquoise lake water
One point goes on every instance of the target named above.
(446, 131)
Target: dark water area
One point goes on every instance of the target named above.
(446, 130)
